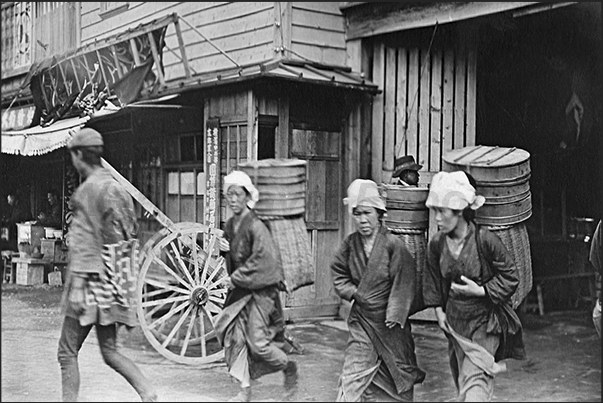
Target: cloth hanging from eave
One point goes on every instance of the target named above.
(40, 140)
(127, 88)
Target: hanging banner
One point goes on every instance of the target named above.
(212, 164)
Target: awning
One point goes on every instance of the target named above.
(40, 140)
(292, 70)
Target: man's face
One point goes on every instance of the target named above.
(10, 199)
(446, 219)
(237, 198)
(410, 177)
(366, 219)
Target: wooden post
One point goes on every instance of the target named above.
(117, 65)
(282, 137)
(77, 80)
(252, 138)
(401, 101)
(187, 70)
(64, 79)
(389, 130)
(377, 132)
(156, 58)
(100, 66)
(135, 52)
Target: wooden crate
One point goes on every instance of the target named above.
(30, 272)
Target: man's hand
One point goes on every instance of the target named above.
(76, 300)
(441, 317)
(469, 288)
(391, 325)
(224, 245)
(228, 283)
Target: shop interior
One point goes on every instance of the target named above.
(539, 90)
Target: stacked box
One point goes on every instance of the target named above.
(30, 273)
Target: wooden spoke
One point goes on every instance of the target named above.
(176, 276)
(212, 244)
(167, 316)
(164, 301)
(217, 282)
(219, 301)
(158, 284)
(178, 325)
(195, 258)
(189, 330)
(151, 294)
(214, 272)
(202, 332)
(149, 314)
(181, 264)
(211, 307)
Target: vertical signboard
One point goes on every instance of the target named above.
(212, 163)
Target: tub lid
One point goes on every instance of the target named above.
(486, 156)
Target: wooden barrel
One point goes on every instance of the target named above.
(502, 176)
(281, 183)
(406, 207)
(408, 218)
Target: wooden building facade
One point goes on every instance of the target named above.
(345, 86)
(506, 74)
(271, 79)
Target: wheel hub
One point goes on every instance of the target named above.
(199, 296)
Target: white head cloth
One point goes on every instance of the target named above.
(452, 190)
(240, 178)
(364, 192)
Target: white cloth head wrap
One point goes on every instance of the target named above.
(240, 178)
(452, 190)
(364, 192)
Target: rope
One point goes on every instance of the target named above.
(435, 28)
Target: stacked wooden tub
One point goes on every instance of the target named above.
(408, 218)
(282, 186)
(502, 176)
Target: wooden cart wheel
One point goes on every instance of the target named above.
(180, 292)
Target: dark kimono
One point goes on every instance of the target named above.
(482, 330)
(252, 315)
(382, 289)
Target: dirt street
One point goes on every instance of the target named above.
(563, 365)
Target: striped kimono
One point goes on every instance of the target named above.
(378, 361)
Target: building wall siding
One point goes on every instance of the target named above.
(245, 31)
(317, 33)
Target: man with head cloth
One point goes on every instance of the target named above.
(374, 270)
(252, 315)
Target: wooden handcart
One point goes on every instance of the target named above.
(180, 287)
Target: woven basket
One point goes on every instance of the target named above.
(516, 240)
(294, 252)
(415, 241)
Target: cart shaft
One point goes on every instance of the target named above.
(139, 197)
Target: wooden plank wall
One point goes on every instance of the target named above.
(318, 32)
(55, 26)
(426, 108)
(245, 31)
